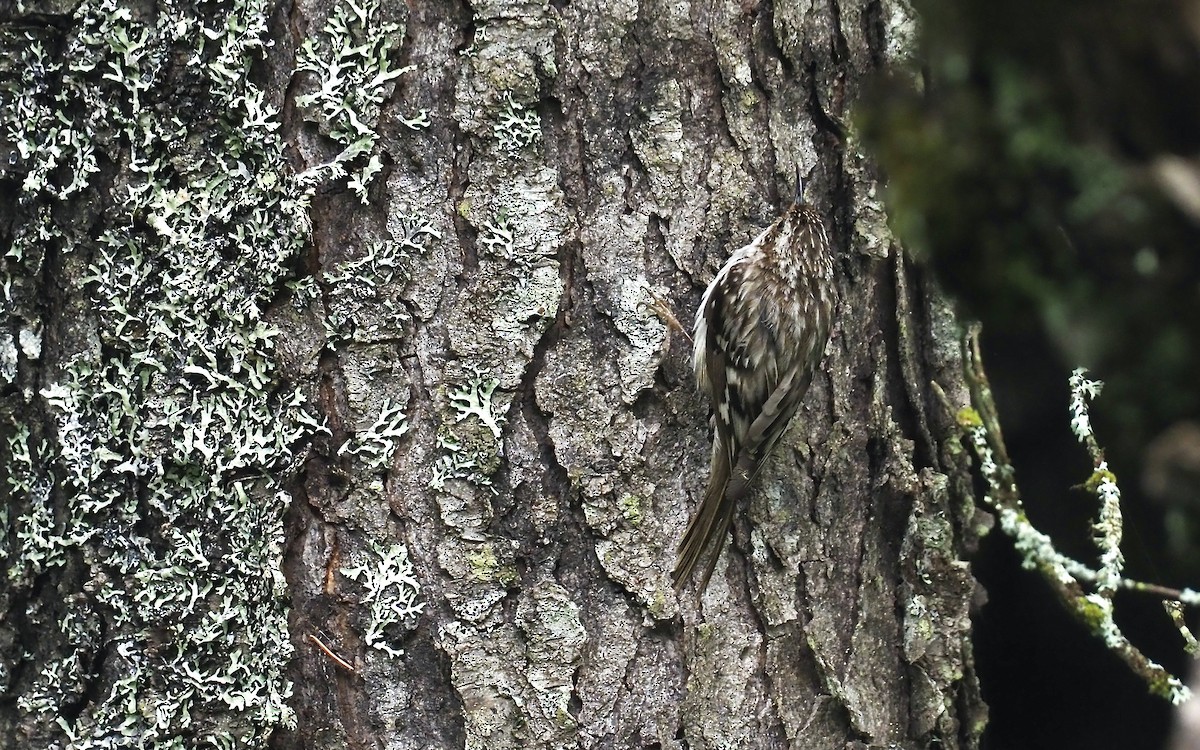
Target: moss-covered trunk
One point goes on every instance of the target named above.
(359, 296)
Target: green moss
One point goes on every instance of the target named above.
(564, 719)
(658, 607)
(969, 418)
(631, 509)
(486, 567)
(1092, 614)
(1099, 477)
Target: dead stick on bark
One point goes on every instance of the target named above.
(336, 659)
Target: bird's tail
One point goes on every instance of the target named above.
(709, 526)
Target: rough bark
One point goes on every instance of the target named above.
(663, 133)
(510, 440)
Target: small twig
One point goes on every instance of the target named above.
(662, 309)
(1184, 597)
(1102, 483)
(336, 659)
(1175, 612)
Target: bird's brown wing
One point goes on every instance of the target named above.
(766, 429)
(710, 522)
(747, 422)
(728, 486)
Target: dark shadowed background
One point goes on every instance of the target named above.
(1046, 162)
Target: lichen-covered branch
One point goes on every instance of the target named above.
(1103, 483)
(980, 425)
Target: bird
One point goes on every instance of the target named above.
(759, 335)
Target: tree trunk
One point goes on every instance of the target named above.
(416, 373)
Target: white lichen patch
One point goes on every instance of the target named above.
(31, 343)
(497, 238)
(555, 638)
(1082, 391)
(521, 228)
(352, 67)
(375, 445)
(503, 671)
(489, 683)
(471, 442)
(456, 463)
(659, 143)
(904, 33)
(391, 590)
(518, 128)
(362, 301)
(499, 82)
(8, 358)
(625, 297)
(873, 235)
(644, 332)
(634, 560)
(526, 213)
(158, 478)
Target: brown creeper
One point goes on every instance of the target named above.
(759, 335)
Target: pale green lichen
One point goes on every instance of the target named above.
(555, 638)
(1109, 525)
(38, 547)
(518, 128)
(390, 590)
(472, 442)
(457, 463)
(1095, 609)
(351, 64)
(1179, 619)
(362, 295)
(1082, 391)
(475, 398)
(533, 280)
(47, 144)
(170, 419)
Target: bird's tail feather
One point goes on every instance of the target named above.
(709, 527)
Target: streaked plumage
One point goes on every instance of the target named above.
(759, 335)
